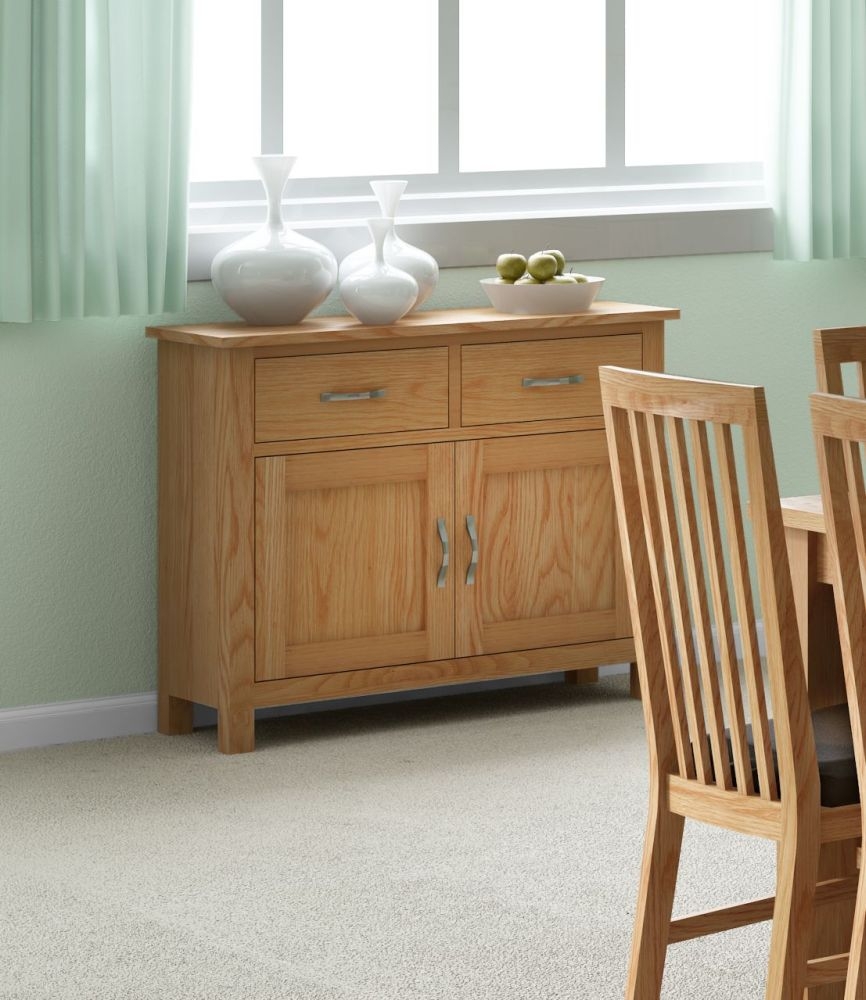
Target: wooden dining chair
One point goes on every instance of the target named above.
(839, 426)
(728, 743)
(837, 346)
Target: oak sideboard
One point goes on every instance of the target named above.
(349, 510)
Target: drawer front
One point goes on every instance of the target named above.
(315, 396)
(493, 378)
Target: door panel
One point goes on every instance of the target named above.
(347, 560)
(549, 571)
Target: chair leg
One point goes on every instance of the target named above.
(658, 879)
(855, 985)
(790, 939)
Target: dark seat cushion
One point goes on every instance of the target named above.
(834, 746)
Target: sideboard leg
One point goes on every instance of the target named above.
(589, 676)
(236, 730)
(174, 715)
(634, 681)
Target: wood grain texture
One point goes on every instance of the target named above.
(812, 574)
(288, 394)
(436, 673)
(839, 426)
(347, 559)
(346, 329)
(806, 513)
(660, 427)
(304, 568)
(725, 807)
(830, 891)
(452, 433)
(835, 347)
(543, 506)
(492, 389)
(205, 531)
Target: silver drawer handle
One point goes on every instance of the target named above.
(534, 383)
(443, 537)
(473, 541)
(337, 397)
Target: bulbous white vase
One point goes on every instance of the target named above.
(379, 293)
(398, 253)
(274, 276)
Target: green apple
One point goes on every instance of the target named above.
(528, 279)
(563, 279)
(542, 266)
(510, 266)
(560, 259)
(580, 278)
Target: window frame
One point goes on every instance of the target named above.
(613, 212)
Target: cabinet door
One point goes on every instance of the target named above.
(549, 571)
(348, 556)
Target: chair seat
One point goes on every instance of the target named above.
(834, 747)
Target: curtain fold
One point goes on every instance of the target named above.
(818, 177)
(94, 151)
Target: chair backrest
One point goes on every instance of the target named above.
(835, 347)
(684, 536)
(839, 425)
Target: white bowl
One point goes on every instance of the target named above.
(548, 299)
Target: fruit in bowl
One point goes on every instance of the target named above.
(539, 285)
(510, 266)
(543, 266)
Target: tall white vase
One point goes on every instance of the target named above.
(420, 264)
(274, 276)
(379, 293)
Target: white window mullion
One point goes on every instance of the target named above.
(449, 88)
(272, 77)
(615, 85)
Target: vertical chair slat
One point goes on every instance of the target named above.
(722, 608)
(698, 591)
(857, 496)
(652, 527)
(857, 502)
(648, 642)
(743, 599)
(679, 596)
(795, 742)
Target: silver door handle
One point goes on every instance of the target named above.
(472, 568)
(338, 397)
(535, 383)
(443, 566)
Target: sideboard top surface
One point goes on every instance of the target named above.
(346, 329)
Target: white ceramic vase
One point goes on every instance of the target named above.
(415, 261)
(379, 293)
(274, 276)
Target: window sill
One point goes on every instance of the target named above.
(604, 233)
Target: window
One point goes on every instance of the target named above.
(498, 115)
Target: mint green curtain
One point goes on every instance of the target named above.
(94, 150)
(818, 179)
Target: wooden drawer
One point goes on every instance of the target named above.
(492, 377)
(289, 393)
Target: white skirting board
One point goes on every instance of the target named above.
(72, 721)
(133, 714)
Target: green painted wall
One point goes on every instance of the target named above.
(78, 448)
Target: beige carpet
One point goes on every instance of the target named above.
(474, 847)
